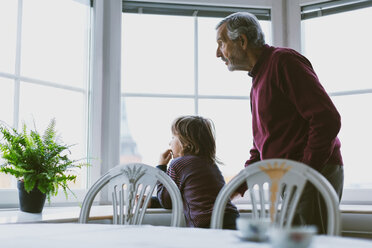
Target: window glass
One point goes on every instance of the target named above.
(355, 136)
(341, 58)
(54, 51)
(6, 114)
(158, 54)
(146, 127)
(67, 107)
(8, 29)
(6, 118)
(146, 120)
(214, 77)
(342, 61)
(54, 45)
(233, 124)
(6, 100)
(6, 181)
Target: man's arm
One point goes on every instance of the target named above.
(255, 156)
(301, 85)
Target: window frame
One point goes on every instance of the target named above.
(104, 94)
(196, 96)
(286, 31)
(311, 9)
(10, 196)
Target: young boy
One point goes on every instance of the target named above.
(195, 172)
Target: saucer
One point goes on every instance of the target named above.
(251, 239)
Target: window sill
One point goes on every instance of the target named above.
(61, 215)
(345, 208)
(104, 212)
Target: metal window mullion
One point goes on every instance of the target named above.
(8, 75)
(332, 7)
(196, 65)
(350, 92)
(17, 66)
(191, 96)
(88, 98)
(149, 95)
(51, 84)
(16, 77)
(332, 4)
(188, 9)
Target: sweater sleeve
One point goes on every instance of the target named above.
(162, 193)
(302, 87)
(254, 157)
(155, 203)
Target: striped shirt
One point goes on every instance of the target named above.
(199, 182)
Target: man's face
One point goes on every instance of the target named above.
(229, 51)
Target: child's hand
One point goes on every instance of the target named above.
(165, 157)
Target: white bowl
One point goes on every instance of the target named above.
(253, 229)
(294, 237)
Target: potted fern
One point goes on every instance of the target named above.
(39, 162)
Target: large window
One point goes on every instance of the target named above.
(170, 68)
(44, 70)
(337, 43)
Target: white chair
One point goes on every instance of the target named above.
(131, 187)
(274, 188)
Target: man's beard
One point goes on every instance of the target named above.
(236, 60)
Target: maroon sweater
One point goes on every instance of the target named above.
(199, 183)
(292, 115)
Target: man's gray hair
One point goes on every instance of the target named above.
(244, 23)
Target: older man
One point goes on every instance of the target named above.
(292, 115)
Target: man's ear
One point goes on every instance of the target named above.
(243, 41)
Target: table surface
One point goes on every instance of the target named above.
(102, 235)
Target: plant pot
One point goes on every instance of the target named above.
(32, 202)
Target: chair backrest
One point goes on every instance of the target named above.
(274, 189)
(131, 187)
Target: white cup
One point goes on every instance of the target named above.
(253, 229)
(294, 237)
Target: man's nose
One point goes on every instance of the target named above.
(218, 53)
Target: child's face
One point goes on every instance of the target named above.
(176, 146)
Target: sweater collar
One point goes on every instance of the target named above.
(259, 62)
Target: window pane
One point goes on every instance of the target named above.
(355, 137)
(233, 132)
(149, 133)
(6, 100)
(341, 58)
(6, 181)
(158, 54)
(8, 27)
(39, 104)
(342, 64)
(6, 117)
(146, 124)
(55, 44)
(214, 77)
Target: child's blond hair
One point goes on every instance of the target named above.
(197, 136)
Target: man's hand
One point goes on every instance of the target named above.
(235, 195)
